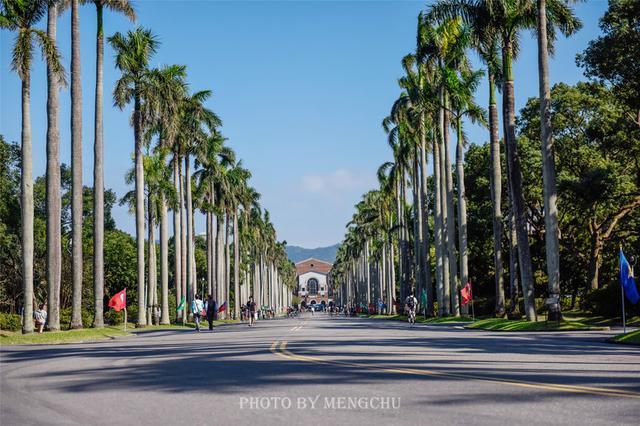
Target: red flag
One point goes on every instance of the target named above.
(223, 307)
(119, 301)
(466, 294)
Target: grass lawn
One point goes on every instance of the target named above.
(68, 336)
(599, 320)
(631, 338)
(423, 320)
(501, 324)
(91, 334)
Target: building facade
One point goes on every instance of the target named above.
(314, 283)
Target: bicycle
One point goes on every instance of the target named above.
(412, 316)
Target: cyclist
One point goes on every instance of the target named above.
(411, 303)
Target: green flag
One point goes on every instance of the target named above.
(423, 297)
(181, 305)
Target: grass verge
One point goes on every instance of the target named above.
(57, 337)
(92, 334)
(501, 324)
(631, 338)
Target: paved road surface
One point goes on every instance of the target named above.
(355, 370)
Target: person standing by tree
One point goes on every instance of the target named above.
(40, 317)
(196, 309)
(212, 311)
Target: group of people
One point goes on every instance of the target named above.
(207, 308)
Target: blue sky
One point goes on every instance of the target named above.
(302, 87)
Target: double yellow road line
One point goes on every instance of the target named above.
(296, 328)
(279, 348)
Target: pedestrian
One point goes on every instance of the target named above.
(40, 317)
(196, 310)
(251, 306)
(211, 307)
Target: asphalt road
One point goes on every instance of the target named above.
(322, 370)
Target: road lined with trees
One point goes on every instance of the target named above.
(568, 165)
(182, 163)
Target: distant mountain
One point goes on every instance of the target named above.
(328, 254)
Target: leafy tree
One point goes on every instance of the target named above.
(614, 57)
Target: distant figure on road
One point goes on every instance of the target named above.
(40, 317)
(410, 305)
(211, 307)
(251, 307)
(196, 309)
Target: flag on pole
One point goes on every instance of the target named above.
(467, 295)
(119, 301)
(223, 307)
(627, 281)
(423, 297)
(183, 302)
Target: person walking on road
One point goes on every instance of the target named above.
(251, 307)
(211, 308)
(196, 309)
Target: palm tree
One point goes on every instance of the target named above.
(509, 18)
(568, 24)
(133, 52)
(168, 90)
(124, 7)
(485, 43)
(76, 167)
(461, 89)
(54, 204)
(20, 17)
(195, 121)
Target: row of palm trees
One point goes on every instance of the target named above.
(171, 127)
(438, 97)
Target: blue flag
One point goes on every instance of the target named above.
(626, 280)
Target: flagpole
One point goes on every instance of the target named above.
(624, 319)
(125, 318)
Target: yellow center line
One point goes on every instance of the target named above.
(285, 353)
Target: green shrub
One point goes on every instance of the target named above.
(606, 301)
(10, 322)
(65, 318)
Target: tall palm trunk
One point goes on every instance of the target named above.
(142, 320)
(152, 272)
(424, 247)
(177, 239)
(212, 218)
(514, 306)
(98, 182)
(548, 164)
(495, 177)
(209, 259)
(164, 262)
(392, 276)
(183, 244)
(451, 226)
(515, 176)
(367, 271)
(462, 211)
(54, 243)
(26, 187)
(417, 222)
(191, 282)
(444, 214)
(76, 167)
(219, 259)
(437, 225)
(236, 265)
(227, 261)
